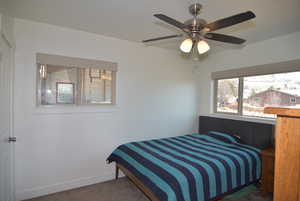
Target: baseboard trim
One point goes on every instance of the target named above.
(76, 183)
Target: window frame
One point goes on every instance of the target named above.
(73, 91)
(263, 69)
(79, 63)
(240, 100)
(240, 96)
(77, 92)
(113, 93)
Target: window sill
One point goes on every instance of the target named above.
(244, 118)
(74, 109)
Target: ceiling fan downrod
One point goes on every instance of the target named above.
(195, 9)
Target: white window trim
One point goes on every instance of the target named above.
(273, 68)
(75, 62)
(74, 109)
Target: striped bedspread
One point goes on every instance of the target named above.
(194, 167)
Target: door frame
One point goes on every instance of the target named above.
(9, 41)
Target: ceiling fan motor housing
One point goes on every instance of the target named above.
(195, 24)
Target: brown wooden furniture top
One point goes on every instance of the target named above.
(283, 111)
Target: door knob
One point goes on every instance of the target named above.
(12, 139)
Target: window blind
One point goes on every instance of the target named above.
(48, 59)
(281, 67)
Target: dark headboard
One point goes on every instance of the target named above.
(259, 135)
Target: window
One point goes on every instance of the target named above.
(292, 100)
(65, 93)
(227, 99)
(96, 86)
(74, 81)
(249, 95)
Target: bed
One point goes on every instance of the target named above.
(196, 167)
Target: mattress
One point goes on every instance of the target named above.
(195, 167)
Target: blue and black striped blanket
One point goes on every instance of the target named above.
(196, 167)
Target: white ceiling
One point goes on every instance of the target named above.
(133, 19)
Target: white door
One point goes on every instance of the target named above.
(6, 112)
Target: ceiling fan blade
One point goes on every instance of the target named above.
(162, 38)
(224, 38)
(172, 21)
(229, 21)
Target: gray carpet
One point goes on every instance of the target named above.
(119, 190)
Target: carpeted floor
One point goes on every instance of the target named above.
(120, 190)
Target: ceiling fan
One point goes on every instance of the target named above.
(197, 29)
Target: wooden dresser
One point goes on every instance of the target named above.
(267, 178)
(287, 154)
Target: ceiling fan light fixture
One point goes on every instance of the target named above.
(186, 45)
(202, 47)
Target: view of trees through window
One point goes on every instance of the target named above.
(228, 95)
(258, 92)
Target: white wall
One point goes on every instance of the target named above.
(61, 148)
(274, 50)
